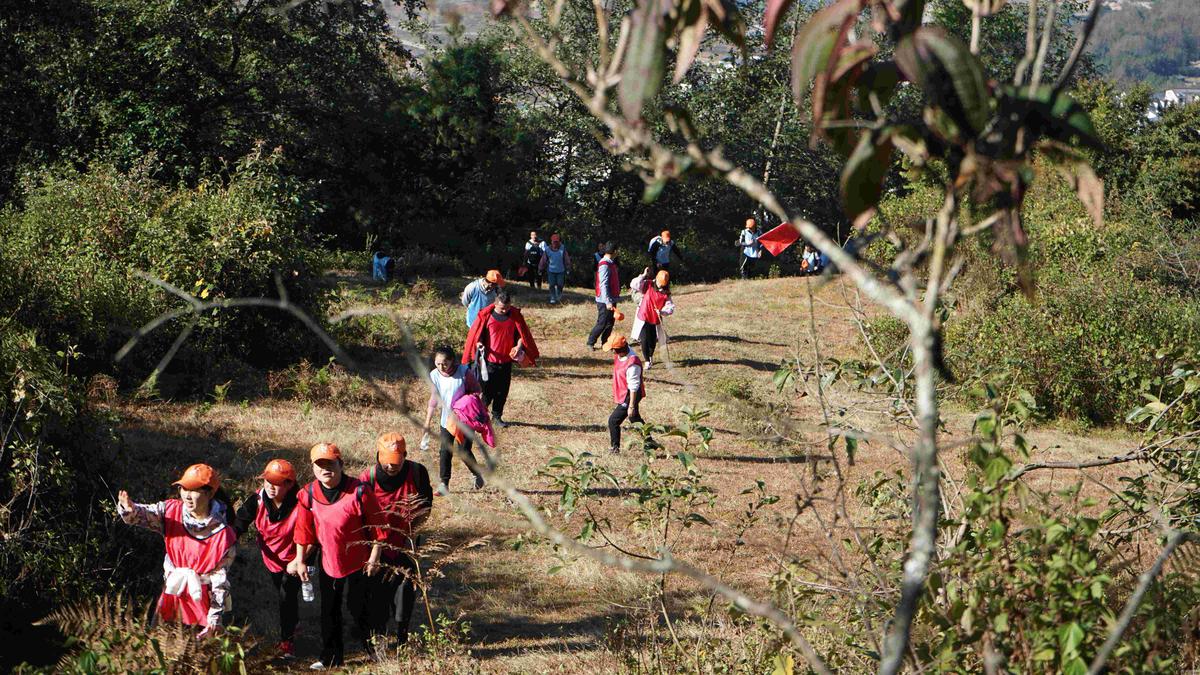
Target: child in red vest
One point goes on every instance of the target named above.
(199, 547)
(655, 303)
(405, 496)
(628, 388)
(272, 510)
(340, 514)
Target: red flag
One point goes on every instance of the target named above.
(778, 239)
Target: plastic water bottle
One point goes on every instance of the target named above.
(306, 588)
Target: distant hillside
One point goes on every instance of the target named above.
(1153, 42)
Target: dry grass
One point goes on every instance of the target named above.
(727, 339)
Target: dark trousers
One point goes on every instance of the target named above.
(287, 588)
(604, 324)
(446, 456)
(393, 595)
(495, 389)
(749, 265)
(353, 588)
(660, 266)
(649, 340)
(534, 276)
(618, 415)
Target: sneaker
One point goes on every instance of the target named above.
(318, 665)
(440, 489)
(478, 482)
(499, 422)
(616, 450)
(649, 362)
(553, 301)
(286, 649)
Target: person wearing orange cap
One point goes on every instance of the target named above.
(628, 388)
(661, 249)
(340, 514)
(499, 338)
(200, 547)
(555, 264)
(751, 249)
(273, 513)
(404, 494)
(481, 293)
(655, 303)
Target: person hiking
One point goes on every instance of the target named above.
(628, 388)
(497, 339)
(555, 264)
(608, 292)
(273, 513)
(751, 249)
(405, 496)
(661, 249)
(200, 547)
(481, 293)
(810, 261)
(535, 248)
(655, 303)
(338, 513)
(597, 256)
(450, 381)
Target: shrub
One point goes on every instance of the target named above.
(331, 383)
(75, 248)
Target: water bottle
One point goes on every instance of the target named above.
(306, 587)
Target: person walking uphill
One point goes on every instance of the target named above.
(608, 291)
(629, 388)
(751, 249)
(273, 513)
(655, 304)
(481, 293)
(200, 547)
(535, 250)
(555, 263)
(338, 513)
(661, 249)
(450, 381)
(499, 338)
(404, 494)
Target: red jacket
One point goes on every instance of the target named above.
(484, 320)
(345, 529)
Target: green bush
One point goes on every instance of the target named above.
(75, 249)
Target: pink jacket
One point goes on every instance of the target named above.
(471, 411)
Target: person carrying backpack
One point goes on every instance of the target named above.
(751, 249)
(481, 293)
(628, 388)
(338, 513)
(661, 249)
(535, 248)
(401, 486)
(273, 513)
(200, 547)
(608, 292)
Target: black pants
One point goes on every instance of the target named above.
(393, 595)
(649, 340)
(748, 266)
(353, 588)
(446, 456)
(287, 587)
(660, 266)
(604, 324)
(495, 388)
(618, 415)
(534, 276)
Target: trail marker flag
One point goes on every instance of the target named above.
(779, 238)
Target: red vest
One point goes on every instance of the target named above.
(200, 555)
(620, 372)
(277, 541)
(502, 337)
(392, 506)
(343, 528)
(614, 281)
(653, 301)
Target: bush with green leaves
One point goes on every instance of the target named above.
(75, 252)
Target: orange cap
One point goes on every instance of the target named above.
(278, 471)
(324, 451)
(662, 278)
(494, 276)
(666, 235)
(618, 315)
(749, 223)
(391, 448)
(615, 342)
(197, 476)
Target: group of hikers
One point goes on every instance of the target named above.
(356, 537)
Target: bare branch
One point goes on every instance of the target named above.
(1089, 24)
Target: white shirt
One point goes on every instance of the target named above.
(448, 389)
(633, 372)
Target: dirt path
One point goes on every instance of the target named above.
(727, 340)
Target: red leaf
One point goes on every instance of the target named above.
(775, 11)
